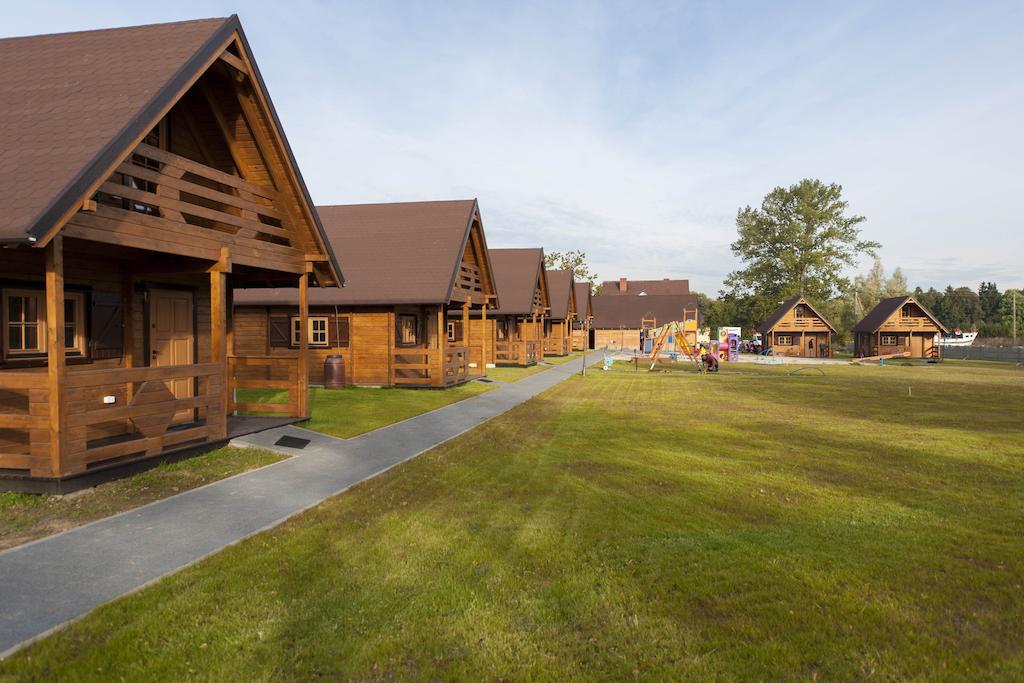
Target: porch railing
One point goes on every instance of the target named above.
(256, 384)
(423, 367)
(24, 421)
(161, 407)
(557, 346)
(522, 352)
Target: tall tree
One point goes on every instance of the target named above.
(990, 300)
(961, 307)
(1006, 312)
(798, 242)
(575, 260)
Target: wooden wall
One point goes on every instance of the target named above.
(371, 338)
(617, 339)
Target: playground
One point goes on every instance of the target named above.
(858, 522)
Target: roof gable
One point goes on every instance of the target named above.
(583, 299)
(561, 294)
(71, 103)
(887, 308)
(73, 106)
(779, 313)
(518, 277)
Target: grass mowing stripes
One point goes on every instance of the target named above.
(747, 525)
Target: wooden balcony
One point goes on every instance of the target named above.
(430, 367)
(160, 201)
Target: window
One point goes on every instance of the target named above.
(783, 340)
(25, 322)
(889, 340)
(801, 311)
(317, 326)
(407, 332)
(501, 329)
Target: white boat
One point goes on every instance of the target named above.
(959, 338)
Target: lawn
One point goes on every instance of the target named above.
(864, 523)
(352, 411)
(516, 373)
(24, 517)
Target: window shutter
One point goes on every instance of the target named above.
(459, 336)
(280, 332)
(337, 331)
(106, 325)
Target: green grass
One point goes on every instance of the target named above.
(516, 373)
(24, 517)
(747, 525)
(351, 411)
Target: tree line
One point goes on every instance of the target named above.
(802, 239)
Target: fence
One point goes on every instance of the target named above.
(1008, 354)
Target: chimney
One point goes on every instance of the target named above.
(623, 284)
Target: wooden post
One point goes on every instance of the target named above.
(541, 336)
(442, 340)
(55, 359)
(483, 339)
(217, 413)
(128, 331)
(302, 381)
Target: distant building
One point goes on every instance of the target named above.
(626, 287)
(618, 319)
(898, 325)
(797, 329)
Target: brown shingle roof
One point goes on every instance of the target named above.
(400, 253)
(885, 309)
(516, 272)
(613, 312)
(785, 308)
(583, 306)
(560, 293)
(67, 98)
(650, 287)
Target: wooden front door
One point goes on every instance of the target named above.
(172, 337)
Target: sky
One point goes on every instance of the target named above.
(635, 131)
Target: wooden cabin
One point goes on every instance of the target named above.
(619, 319)
(517, 326)
(898, 325)
(145, 175)
(796, 329)
(584, 317)
(558, 325)
(418, 271)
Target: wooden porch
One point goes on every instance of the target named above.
(524, 352)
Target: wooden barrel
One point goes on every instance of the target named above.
(334, 372)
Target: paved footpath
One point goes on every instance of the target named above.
(46, 583)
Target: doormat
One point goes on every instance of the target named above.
(292, 442)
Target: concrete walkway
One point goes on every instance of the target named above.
(47, 583)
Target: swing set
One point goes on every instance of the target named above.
(657, 339)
